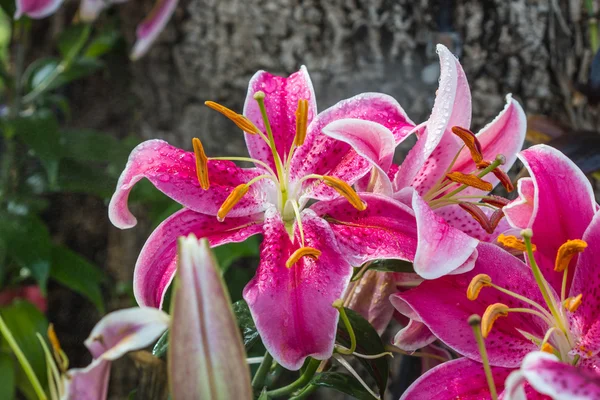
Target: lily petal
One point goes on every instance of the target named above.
(452, 107)
(386, 229)
(126, 330)
(173, 172)
(451, 301)
(460, 219)
(89, 10)
(288, 303)
(147, 32)
(36, 9)
(586, 281)
(564, 205)
(414, 336)
(157, 262)
(456, 379)
(281, 101)
(441, 248)
(520, 212)
(547, 375)
(90, 383)
(207, 359)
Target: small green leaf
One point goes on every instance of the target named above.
(24, 320)
(7, 377)
(342, 383)
(79, 275)
(46, 74)
(72, 39)
(367, 342)
(104, 42)
(244, 319)
(161, 347)
(392, 266)
(227, 254)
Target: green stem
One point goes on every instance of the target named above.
(305, 393)
(475, 322)
(310, 371)
(339, 305)
(263, 369)
(593, 25)
(37, 387)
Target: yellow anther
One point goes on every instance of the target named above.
(477, 283)
(513, 242)
(548, 348)
(234, 197)
(301, 252)
(301, 122)
(201, 164)
(59, 354)
(566, 253)
(345, 190)
(469, 180)
(242, 122)
(491, 314)
(471, 142)
(573, 303)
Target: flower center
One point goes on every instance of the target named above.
(558, 338)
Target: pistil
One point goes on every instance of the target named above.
(475, 322)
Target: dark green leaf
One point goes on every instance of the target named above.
(79, 275)
(103, 43)
(342, 383)
(40, 133)
(392, 266)
(8, 6)
(43, 75)
(28, 243)
(72, 39)
(90, 146)
(228, 253)
(244, 319)
(7, 377)
(80, 177)
(24, 320)
(367, 342)
(161, 347)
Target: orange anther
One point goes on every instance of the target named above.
(566, 253)
(201, 164)
(470, 180)
(301, 252)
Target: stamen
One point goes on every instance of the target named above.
(573, 303)
(470, 141)
(234, 197)
(242, 122)
(494, 200)
(201, 164)
(566, 253)
(504, 179)
(346, 191)
(59, 355)
(547, 348)
(491, 314)
(512, 242)
(496, 218)
(301, 252)
(301, 122)
(477, 215)
(477, 283)
(469, 180)
(475, 322)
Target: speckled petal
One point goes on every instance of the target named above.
(173, 172)
(414, 336)
(157, 261)
(462, 379)
(147, 32)
(460, 219)
(36, 9)
(386, 229)
(506, 346)
(292, 307)
(281, 101)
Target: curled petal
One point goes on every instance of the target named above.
(157, 262)
(173, 172)
(90, 383)
(36, 9)
(413, 336)
(288, 303)
(152, 26)
(205, 348)
(519, 212)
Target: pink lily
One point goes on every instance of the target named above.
(526, 305)
(36, 8)
(307, 253)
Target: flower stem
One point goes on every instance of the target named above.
(263, 369)
(305, 393)
(593, 25)
(12, 343)
(475, 322)
(339, 305)
(304, 379)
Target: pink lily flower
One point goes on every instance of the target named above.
(307, 253)
(527, 307)
(36, 9)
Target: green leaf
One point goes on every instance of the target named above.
(104, 42)
(161, 347)
(342, 383)
(28, 243)
(90, 146)
(5, 36)
(392, 266)
(247, 327)
(79, 275)
(8, 6)
(39, 132)
(72, 39)
(227, 254)
(48, 73)
(80, 177)
(367, 342)
(24, 320)
(7, 377)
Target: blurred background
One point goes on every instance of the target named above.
(62, 171)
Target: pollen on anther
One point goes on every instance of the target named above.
(477, 283)
(469, 180)
(302, 252)
(491, 314)
(566, 252)
(201, 164)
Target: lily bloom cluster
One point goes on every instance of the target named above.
(327, 199)
(146, 32)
